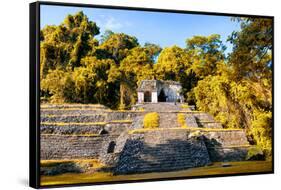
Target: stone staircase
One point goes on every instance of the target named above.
(161, 107)
(168, 120)
(205, 120)
(158, 151)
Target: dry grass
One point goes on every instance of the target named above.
(51, 163)
(215, 169)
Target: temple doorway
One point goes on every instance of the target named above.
(162, 96)
(147, 96)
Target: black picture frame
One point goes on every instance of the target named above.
(34, 89)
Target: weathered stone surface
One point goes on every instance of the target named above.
(112, 158)
(161, 107)
(70, 130)
(68, 167)
(75, 118)
(112, 128)
(158, 151)
(190, 121)
(212, 125)
(44, 112)
(226, 138)
(137, 122)
(122, 115)
(117, 128)
(228, 154)
(230, 145)
(168, 120)
(70, 147)
(203, 117)
(151, 151)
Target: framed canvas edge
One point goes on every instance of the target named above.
(34, 96)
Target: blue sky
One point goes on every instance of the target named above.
(164, 29)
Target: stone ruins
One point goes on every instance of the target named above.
(118, 140)
(159, 91)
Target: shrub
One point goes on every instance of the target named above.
(181, 120)
(151, 120)
(261, 131)
(255, 153)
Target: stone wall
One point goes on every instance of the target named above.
(69, 147)
(150, 151)
(70, 130)
(190, 121)
(122, 115)
(230, 145)
(71, 111)
(74, 118)
(74, 147)
(205, 120)
(109, 128)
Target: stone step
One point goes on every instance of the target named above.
(168, 120)
(161, 107)
(157, 151)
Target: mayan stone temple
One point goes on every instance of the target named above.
(185, 138)
(159, 91)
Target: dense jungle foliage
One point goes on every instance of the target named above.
(236, 88)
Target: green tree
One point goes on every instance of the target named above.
(64, 45)
(116, 47)
(207, 52)
(137, 66)
(252, 48)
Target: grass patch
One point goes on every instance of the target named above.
(151, 120)
(52, 163)
(215, 169)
